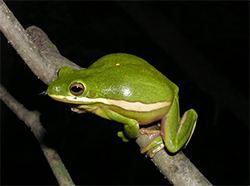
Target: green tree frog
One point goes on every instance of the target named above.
(127, 89)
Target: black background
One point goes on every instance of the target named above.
(88, 145)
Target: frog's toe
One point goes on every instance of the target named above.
(120, 134)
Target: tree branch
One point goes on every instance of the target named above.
(178, 169)
(44, 60)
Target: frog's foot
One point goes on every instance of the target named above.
(155, 143)
(130, 131)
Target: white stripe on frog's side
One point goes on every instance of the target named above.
(126, 105)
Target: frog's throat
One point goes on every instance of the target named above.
(126, 105)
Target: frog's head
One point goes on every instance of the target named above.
(69, 88)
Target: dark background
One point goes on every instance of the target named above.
(195, 44)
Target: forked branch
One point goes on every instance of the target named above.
(43, 58)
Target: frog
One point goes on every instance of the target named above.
(127, 89)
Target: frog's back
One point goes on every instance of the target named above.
(133, 77)
(111, 59)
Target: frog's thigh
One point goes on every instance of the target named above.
(131, 126)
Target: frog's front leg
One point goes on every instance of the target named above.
(131, 126)
(175, 132)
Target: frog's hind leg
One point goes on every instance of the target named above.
(177, 132)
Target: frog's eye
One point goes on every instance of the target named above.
(76, 89)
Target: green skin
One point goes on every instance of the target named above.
(127, 89)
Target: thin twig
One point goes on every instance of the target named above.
(32, 120)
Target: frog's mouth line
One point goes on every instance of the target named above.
(126, 105)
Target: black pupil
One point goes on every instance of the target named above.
(76, 89)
